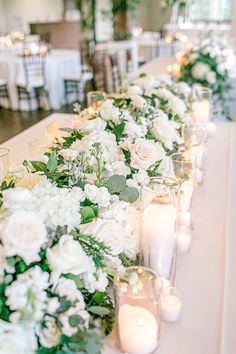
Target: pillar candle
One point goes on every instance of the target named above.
(201, 111)
(170, 308)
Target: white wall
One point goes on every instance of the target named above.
(22, 12)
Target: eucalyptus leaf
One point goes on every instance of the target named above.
(129, 194)
(39, 166)
(116, 184)
(74, 320)
(98, 310)
(52, 162)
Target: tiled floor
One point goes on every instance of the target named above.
(13, 122)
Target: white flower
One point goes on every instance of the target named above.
(118, 168)
(15, 198)
(69, 154)
(17, 339)
(134, 130)
(26, 295)
(67, 287)
(96, 282)
(164, 129)
(52, 305)
(183, 88)
(211, 77)
(49, 334)
(177, 106)
(142, 177)
(145, 153)
(22, 234)
(99, 196)
(109, 112)
(138, 101)
(200, 70)
(67, 256)
(67, 329)
(221, 68)
(134, 90)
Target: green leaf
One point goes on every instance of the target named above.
(52, 162)
(67, 130)
(98, 310)
(129, 194)
(74, 320)
(116, 183)
(39, 166)
(78, 282)
(118, 130)
(64, 305)
(88, 213)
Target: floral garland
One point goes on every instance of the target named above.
(68, 219)
(208, 64)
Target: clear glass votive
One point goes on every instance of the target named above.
(4, 161)
(95, 99)
(171, 300)
(137, 311)
(194, 134)
(159, 210)
(202, 106)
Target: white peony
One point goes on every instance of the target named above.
(23, 234)
(138, 101)
(134, 130)
(49, 334)
(97, 195)
(109, 112)
(16, 198)
(145, 153)
(69, 154)
(165, 130)
(200, 70)
(67, 257)
(17, 339)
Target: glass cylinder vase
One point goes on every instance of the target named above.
(137, 311)
(159, 208)
(202, 105)
(4, 161)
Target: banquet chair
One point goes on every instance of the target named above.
(99, 70)
(76, 84)
(4, 93)
(129, 61)
(115, 71)
(33, 86)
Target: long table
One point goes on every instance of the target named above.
(207, 273)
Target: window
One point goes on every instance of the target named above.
(210, 10)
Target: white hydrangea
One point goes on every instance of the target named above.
(17, 339)
(118, 168)
(134, 90)
(138, 101)
(164, 129)
(134, 130)
(109, 112)
(78, 310)
(27, 296)
(58, 206)
(97, 195)
(16, 198)
(200, 70)
(67, 287)
(96, 281)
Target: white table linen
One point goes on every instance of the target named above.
(206, 274)
(59, 63)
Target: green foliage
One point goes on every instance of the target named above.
(129, 194)
(116, 183)
(89, 213)
(5, 185)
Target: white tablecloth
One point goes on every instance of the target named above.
(59, 63)
(207, 274)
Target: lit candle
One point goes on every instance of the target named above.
(201, 111)
(170, 308)
(211, 128)
(183, 241)
(138, 330)
(185, 219)
(158, 235)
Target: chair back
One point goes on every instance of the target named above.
(115, 71)
(99, 70)
(129, 61)
(45, 37)
(34, 69)
(87, 49)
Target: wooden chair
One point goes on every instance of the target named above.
(76, 84)
(4, 93)
(99, 70)
(129, 61)
(115, 71)
(33, 86)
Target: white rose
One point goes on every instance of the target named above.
(17, 339)
(69, 154)
(23, 233)
(99, 196)
(49, 334)
(109, 112)
(200, 70)
(145, 153)
(138, 101)
(211, 77)
(67, 256)
(15, 198)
